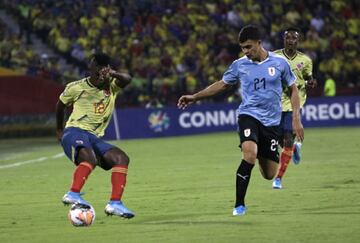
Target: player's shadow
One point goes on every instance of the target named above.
(190, 222)
(194, 219)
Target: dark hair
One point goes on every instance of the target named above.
(101, 59)
(249, 32)
(292, 29)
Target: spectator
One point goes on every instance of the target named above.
(330, 87)
(154, 103)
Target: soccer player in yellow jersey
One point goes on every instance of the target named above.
(93, 101)
(301, 66)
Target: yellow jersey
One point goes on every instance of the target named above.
(301, 65)
(92, 107)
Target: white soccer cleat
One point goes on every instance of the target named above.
(118, 208)
(277, 183)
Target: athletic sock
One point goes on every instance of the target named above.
(242, 181)
(285, 158)
(118, 181)
(80, 175)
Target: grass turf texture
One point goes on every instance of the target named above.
(182, 190)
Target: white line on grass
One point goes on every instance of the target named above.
(13, 156)
(31, 161)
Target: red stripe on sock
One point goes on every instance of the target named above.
(80, 176)
(118, 181)
(285, 158)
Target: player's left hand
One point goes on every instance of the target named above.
(59, 134)
(312, 83)
(298, 129)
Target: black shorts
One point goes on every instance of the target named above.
(267, 138)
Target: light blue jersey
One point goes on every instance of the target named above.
(261, 86)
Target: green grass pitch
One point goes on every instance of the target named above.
(182, 190)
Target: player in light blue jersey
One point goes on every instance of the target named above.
(262, 75)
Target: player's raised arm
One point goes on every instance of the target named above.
(213, 89)
(122, 79)
(295, 103)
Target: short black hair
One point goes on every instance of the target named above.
(293, 29)
(250, 32)
(101, 59)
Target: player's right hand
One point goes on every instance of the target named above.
(185, 100)
(104, 73)
(59, 134)
(298, 129)
(312, 83)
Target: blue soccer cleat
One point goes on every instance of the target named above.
(296, 153)
(118, 208)
(240, 210)
(277, 183)
(74, 197)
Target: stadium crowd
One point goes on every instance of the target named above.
(176, 47)
(16, 53)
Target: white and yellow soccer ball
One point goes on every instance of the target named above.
(81, 215)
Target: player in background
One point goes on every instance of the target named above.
(93, 101)
(262, 75)
(301, 65)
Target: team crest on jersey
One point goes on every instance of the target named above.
(300, 66)
(271, 71)
(247, 132)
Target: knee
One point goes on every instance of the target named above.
(249, 149)
(86, 155)
(250, 157)
(269, 176)
(121, 159)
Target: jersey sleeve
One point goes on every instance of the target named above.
(116, 89)
(231, 74)
(288, 76)
(68, 95)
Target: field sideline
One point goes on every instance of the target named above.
(182, 190)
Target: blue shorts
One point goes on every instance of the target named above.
(75, 138)
(286, 122)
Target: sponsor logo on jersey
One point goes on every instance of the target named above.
(159, 121)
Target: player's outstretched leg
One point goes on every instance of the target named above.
(118, 208)
(80, 175)
(284, 162)
(118, 181)
(242, 181)
(296, 153)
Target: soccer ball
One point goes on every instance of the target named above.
(81, 215)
